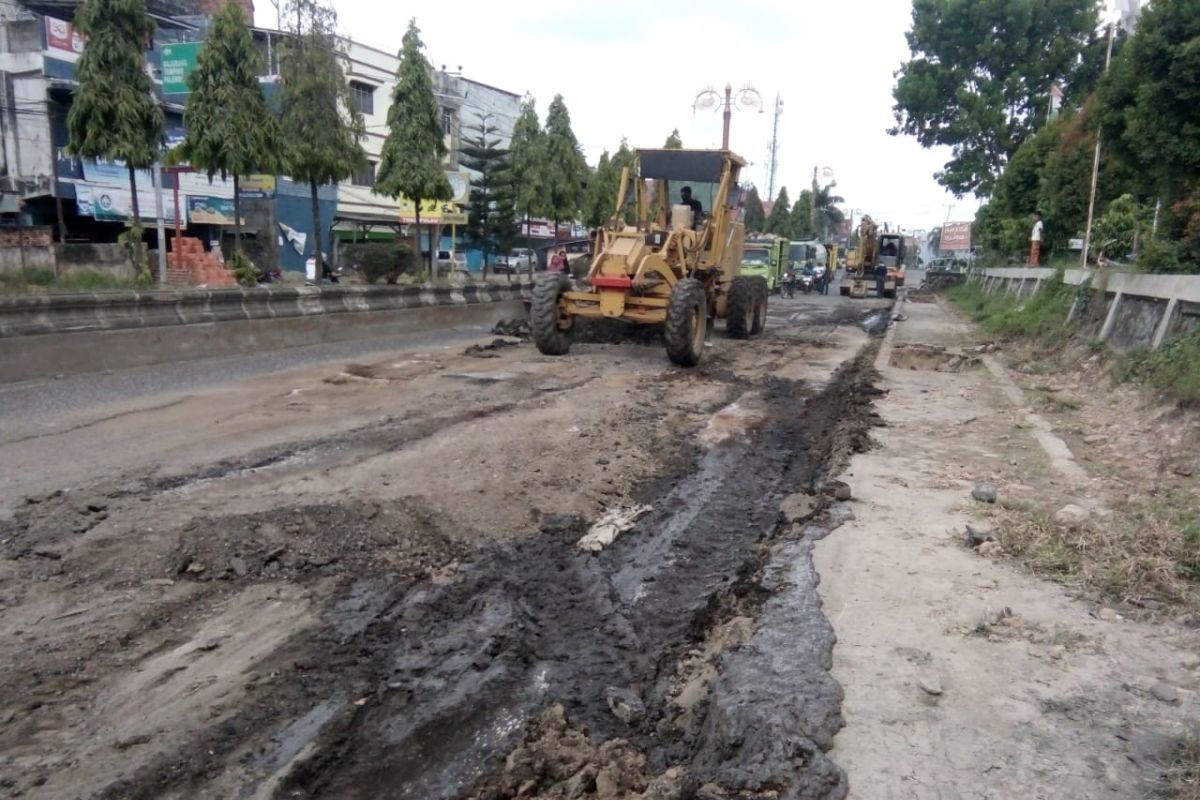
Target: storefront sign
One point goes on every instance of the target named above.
(62, 40)
(178, 61)
(111, 204)
(211, 210)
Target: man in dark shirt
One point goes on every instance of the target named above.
(685, 198)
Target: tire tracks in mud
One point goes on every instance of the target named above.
(435, 690)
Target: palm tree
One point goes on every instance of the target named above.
(829, 216)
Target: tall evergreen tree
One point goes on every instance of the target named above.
(114, 114)
(230, 129)
(756, 217)
(410, 162)
(673, 141)
(482, 154)
(600, 198)
(779, 222)
(800, 220)
(527, 167)
(322, 126)
(566, 168)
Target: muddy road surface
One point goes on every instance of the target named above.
(459, 572)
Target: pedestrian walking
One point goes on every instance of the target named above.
(1035, 240)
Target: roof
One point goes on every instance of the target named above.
(685, 165)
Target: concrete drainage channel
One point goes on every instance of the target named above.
(687, 658)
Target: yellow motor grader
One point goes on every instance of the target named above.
(672, 265)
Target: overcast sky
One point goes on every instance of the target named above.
(633, 68)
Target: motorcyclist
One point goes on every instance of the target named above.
(789, 279)
(820, 278)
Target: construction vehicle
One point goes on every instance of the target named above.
(672, 267)
(764, 255)
(874, 250)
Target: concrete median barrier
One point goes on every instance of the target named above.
(46, 335)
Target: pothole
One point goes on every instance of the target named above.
(929, 358)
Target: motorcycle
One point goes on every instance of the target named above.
(789, 285)
(806, 282)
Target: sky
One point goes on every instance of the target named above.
(633, 69)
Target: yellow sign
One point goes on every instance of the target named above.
(257, 186)
(432, 212)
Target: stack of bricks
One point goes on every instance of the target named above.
(188, 263)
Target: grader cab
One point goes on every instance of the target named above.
(670, 266)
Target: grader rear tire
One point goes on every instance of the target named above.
(549, 335)
(760, 307)
(742, 299)
(687, 323)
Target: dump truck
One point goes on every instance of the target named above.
(874, 249)
(677, 265)
(764, 256)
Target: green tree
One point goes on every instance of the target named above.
(756, 216)
(980, 76)
(1150, 100)
(1117, 231)
(829, 217)
(230, 129)
(527, 168)
(565, 166)
(779, 220)
(673, 141)
(114, 114)
(489, 216)
(410, 162)
(601, 195)
(322, 125)
(800, 223)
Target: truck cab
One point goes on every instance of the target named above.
(764, 257)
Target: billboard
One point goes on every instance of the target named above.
(114, 173)
(956, 237)
(62, 40)
(178, 61)
(432, 212)
(211, 210)
(111, 204)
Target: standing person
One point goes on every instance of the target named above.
(556, 263)
(1035, 239)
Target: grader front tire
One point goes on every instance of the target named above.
(741, 302)
(760, 307)
(687, 322)
(545, 317)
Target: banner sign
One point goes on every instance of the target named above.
(254, 187)
(433, 212)
(110, 204)
(211, 210)
(178, 61)
(113, 173)
(62, 40)
(956, 237)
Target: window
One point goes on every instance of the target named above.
(365, 176)
(446, 122)
(364, 96)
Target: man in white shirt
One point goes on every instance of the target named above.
(1035, 240)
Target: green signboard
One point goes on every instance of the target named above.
(178, 61)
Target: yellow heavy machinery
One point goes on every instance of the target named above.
(672, 267)
(874, 250)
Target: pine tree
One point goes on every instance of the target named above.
(481, 153)
(527, 167)
(800, 224)
(673, 141)
(779, 222)
(319, 118)
(756, 217)
(565, 165)
(410, 162)
(622, 159)
(230, 129)
(114, 114)
(600, 198)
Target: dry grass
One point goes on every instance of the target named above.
(1147, 552)
(1181, 779)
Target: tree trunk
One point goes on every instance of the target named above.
(237, 214)
(316, 212)
(527, 247)
(133, 198)
(135, 245)
(417, 227)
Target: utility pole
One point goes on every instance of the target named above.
(1087, 237)
(773, 155)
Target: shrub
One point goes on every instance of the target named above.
(243, 269)
(375, 260)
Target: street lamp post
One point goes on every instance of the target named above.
(744, 98)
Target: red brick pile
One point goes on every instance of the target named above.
(189, 263)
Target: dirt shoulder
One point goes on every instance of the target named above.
(965, 674)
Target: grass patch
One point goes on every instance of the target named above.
(1173, 369)
(1042, 317)
(1181, 778)
(1147, 550)
(43, 280)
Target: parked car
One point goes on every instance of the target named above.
(515, 261)
(458, 261)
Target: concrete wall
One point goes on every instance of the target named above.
(1137, 310)
(44, 335)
